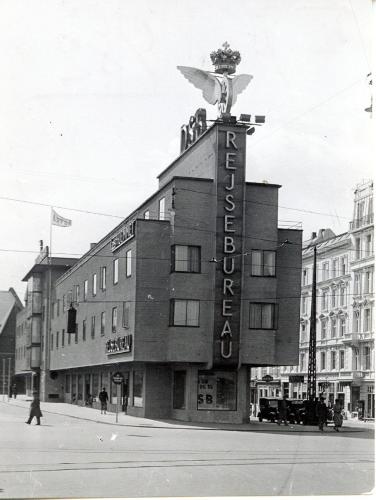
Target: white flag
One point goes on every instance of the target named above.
(57, 220)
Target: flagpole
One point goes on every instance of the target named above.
(48, 329)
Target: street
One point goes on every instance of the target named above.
(71, 457)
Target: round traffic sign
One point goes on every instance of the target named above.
(117, 378)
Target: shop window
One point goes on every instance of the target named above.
(128, 263)
(138, 382)
(179, 390)
(262, 316)
(79, 387)
(67, 384)
(216, 390)
(186, 259)
(263, 263)
(184, 312)
(115, 271)
(103, 323)
(126, 312)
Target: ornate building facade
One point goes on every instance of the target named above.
(345, 317)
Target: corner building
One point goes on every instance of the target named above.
(185, 295)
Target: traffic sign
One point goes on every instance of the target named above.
(117, 378)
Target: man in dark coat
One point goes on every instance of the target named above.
(103, 398)
(35, 409)
(321, 413)
(283, 411)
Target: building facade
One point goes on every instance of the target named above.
(344, 323)
(184, 296)
(10, 305)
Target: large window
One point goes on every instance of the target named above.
(262, 316)
(103, 278)
(216, 390)
(178, 402)
(115, 271)
(184, 312)
(114, 320)
(103, 323)
(186, 259)
(138, 382)
(263, 263)
(128, 263)
(94, 284)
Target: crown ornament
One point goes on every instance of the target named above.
(225, 60)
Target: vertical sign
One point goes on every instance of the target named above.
(230, 186)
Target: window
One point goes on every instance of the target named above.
(186, 259)
(357, 248)
(94, 285)
(334, 327)
(58, 307)
(368, 282)
(57, 340)
(342, 296)
(128, 263)
(76, 291)
(334, 292)
(324, 300)
(367, 320)
(216, 390)
(367, 358)
(76, 336)
(341, 360)
(335, 268)
(52, 341)
(92, 327)
(64, 304)
(369, 248)
(303, 332)
(344, 265)
(333, 359)
(302, 356)
(85, 289)
(184, 312)
(262, 263)
(262, 316)
(356, 321)
(305, 276)
(178, 400)
(323, 361)
(147, 215)
(126, 311)
(161, 209)
(304, 305)
(138, 382)
(103, 278)
(323, 328)
(357, 284)
(114, 319)
(356, 359)
(103, 323)
(62, 338)
(342, 326)
(115, 271)
(325, 271)
(84, 330)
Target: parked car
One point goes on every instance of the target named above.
(270, 409)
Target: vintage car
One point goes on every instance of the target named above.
(268, 409)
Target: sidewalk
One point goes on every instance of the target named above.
(94, 415)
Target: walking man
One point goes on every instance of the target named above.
(103, 398)
(321, 413)
(35, 409)
(282, 414)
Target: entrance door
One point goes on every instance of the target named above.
(370, 405)
(355, 396)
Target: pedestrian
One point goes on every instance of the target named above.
(282, 414)
(14, 389)
(103, 398)
(337, 417)
(321, 413)
(35, 409)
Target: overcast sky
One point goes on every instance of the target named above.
(91, 105)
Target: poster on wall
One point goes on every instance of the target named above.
(216, 390)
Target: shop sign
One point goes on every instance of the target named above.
(267, 378)
(296, 379)
(119, 345)
(125, 234)
(216, 390)
(229, 245)
(117, 378)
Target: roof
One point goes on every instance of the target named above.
(8, 300)
(56, 263)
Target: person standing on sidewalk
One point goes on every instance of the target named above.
(282, 414)
(321, 413)
(337, 415)
(103, 398)
(14, 390)
(35, 409)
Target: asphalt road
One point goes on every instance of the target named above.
(69, 458)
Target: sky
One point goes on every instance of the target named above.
(91, 106)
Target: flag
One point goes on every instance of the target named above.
(57, 220)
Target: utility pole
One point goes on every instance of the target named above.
(312, 336)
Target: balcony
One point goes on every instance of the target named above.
(351, 339)
(366, 220)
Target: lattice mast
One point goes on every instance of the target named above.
(312, 336)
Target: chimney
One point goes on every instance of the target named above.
(41, 245)
(314, 235)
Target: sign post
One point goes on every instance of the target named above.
(118, 379)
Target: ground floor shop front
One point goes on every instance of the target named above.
(184, 392)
